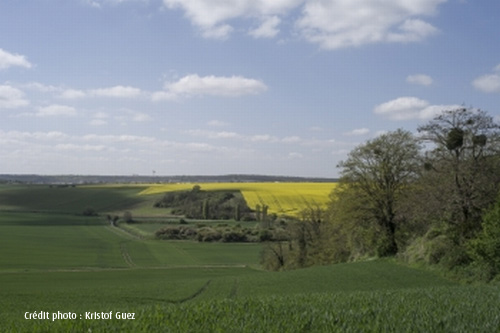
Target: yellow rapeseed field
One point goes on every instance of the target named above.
(281, 198)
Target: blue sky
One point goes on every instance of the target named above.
(284, 87)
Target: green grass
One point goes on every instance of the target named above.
(43, 198)
(53, 260)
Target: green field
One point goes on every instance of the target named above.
(53, 259)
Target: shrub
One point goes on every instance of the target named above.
(176, 233)
(207, 234)
(265, 235)
(89, 211)
(485, 248)
(234, 236)
(127, 217)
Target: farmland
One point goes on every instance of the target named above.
(54, 259)
(282, 198)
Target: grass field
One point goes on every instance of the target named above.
(54, 260)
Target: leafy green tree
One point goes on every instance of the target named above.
(127, 217)
(462, 169)
(205, 209)
(378, 172)
(237, 212)
(486, 247)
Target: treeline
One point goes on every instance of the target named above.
(222, 233)
(431, 198)
(142, 179)
(206, 205)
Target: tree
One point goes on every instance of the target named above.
(205, 210)
(464, 161)
(378, 171)
(257, 212)
(127, 216)
(237, 212)
(486, 247)
(89, 211)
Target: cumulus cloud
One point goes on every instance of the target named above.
(489, 83)
(338, 24)
(72, 94)
(117, 92)
(291, 139)
(420, 79)
(268, 28)
(10, 60)
(406, 108)
(331, 24)
(100, 3)
(194, 85)
(211, 16)
(217, 123)
(112, 92)
(98, 122)
(11, 97)
(295, 155)
(214, 134)
(358, 131)
(56, 110)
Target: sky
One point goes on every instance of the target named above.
(214, 87)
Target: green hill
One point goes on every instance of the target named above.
(53, 260)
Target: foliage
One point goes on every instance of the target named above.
(378, 171)
(221, 232)
(282, 198)
(485, 248)
(462, 170)
(203, 204)
(89, 211)
(127, 217)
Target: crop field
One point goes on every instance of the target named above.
(281, 198)
(79, 270)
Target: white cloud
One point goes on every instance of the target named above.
(338, 24)
(98, 122)
(489, 83)
(37, 86)
(73, 147)
(316, 129)
(140, 117)
(406, 108)
(17, 136)
(402, 108)
(358, 131)
(112, 92)
(72, 94)
(217, 123)
(118, 138)
(10, 60)
(194, 85)
(331, 24)
(295, 155)
(421, 79)
(117, 92)
(211, 16)
(100, 3)
(11, 98)
(262, 138)
(268, 28)
(291, 139)
(412, 30)
(56, 110)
